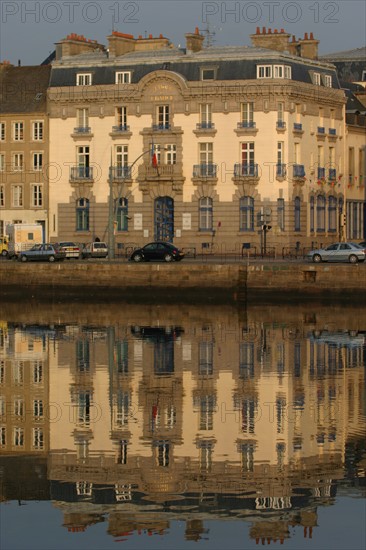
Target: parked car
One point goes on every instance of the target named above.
(158, 250)
(338, 252)
(46, 252)
(95, 250)
(363, 244)
(71, 249)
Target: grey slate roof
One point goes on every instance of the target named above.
(357, 54)
(231, 62)
(24, 89)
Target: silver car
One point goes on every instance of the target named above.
(338, 252)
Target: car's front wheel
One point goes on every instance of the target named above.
(168, 258)
(137, 258)
(23, 258)
(353, 259)
(317, 258)
(51, 259)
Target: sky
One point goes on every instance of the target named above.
(29, 29)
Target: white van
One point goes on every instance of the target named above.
(95, 250)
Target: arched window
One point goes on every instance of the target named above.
(205, 214)
(320, 213)
(312, 214)
(297, 207)
(332, 214)
(82, 214)
(122, 214)
(246, 214)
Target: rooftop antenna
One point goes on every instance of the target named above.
(209, 34)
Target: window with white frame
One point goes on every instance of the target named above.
(247, 114)
(2, 436)
(37, 438)
(18, 407)
(37, 372)
(82, 118)
(316, 79)
(278, 71)
(287, 72)
(123, 77)
(38, 408)
(18, 162)
(280, 158)
(206, 115)
(156, 152)
(206, 153)
(18, 373)
(121, 116)
(2, 195)
(17, 195)
(2, 405)
(37, 195)
(83, 79)
(328, 80)
(37, 161)
(37, 130)
(2, 131)
(280, 111)
(18, 437)
(18, 131)
(121, 152)
(264, 71)
(281, 214)
(208, 74)
(246, 207)
(205, 214)
(163, 117)
(2, 162)
(247, 153)
(171, 154)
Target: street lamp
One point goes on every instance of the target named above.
(111, 207)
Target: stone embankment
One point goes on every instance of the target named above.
(183, 282)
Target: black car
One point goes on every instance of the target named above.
(158, 250)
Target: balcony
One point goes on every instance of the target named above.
(82, 132)
(205, 128)
(332, 134)
(205, 170)
(161, 127)
(281, 125)
(246, 170)
(321, 173)
(298, 171)
(246, 127)
(163, 176)
(122, 130)
(297, 129)
(321, 130)
(280, 170)
(120, 173)
(332, 174)
(81, 174)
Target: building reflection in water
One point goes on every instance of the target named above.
(190, 413)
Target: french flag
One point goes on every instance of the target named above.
(154, 159)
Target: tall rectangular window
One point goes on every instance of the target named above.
(281, 214)
(82, 118)
(171, 154)
(121, 116)
(206, 115)
(37, 130)
(18, 437)
(36, 195)
(18, 162)
(247, 114)
(18, 131)
(280, 111)
(206, 153)
(37, 161)
(121, 155)
(17, 195)
(247, 153)
(2, 131)
(37, 438)
(2, 162)
(2, 195)
(163, 116)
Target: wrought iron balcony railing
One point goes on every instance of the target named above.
(246, 170)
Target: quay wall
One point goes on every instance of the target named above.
(108, 281)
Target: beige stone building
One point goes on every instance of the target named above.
(212, 148)
(24, 146)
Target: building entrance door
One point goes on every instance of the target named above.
(164, 219)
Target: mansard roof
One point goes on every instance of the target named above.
(230, 62)
(24, 89)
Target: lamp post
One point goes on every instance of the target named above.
(111, 207)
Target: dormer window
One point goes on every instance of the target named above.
(327, 80)
(83, 79)
(274, 71)
(208, 74)
(316, 79)
(123, 77)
